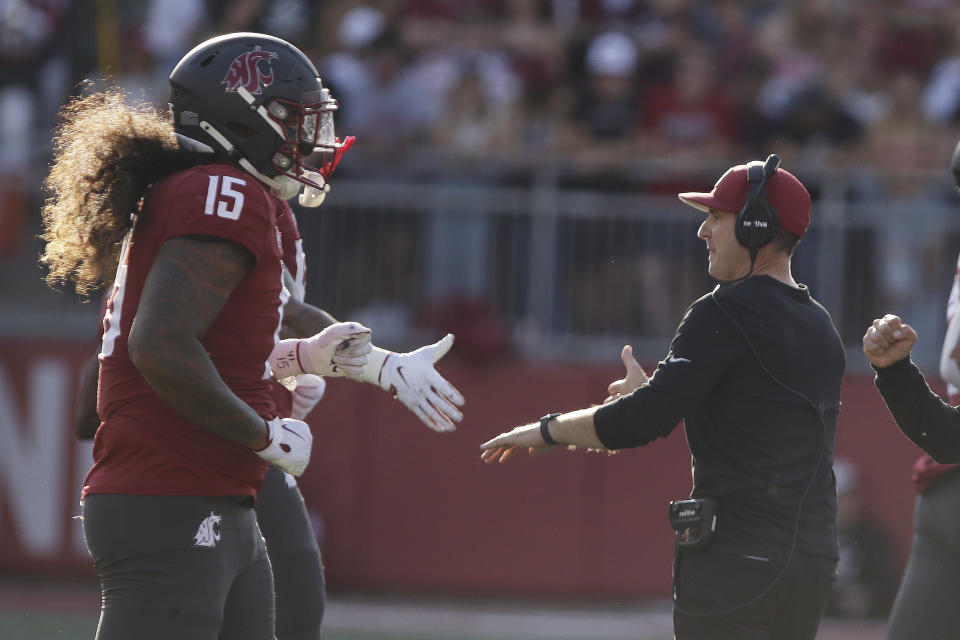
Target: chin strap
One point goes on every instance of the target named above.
(283, 189)
(261, 111)
(279, 189)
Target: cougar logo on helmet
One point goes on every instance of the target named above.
(245, 71)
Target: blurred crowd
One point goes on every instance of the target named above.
(492, 88)
(593, 81)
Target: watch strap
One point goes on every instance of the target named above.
(545, 428)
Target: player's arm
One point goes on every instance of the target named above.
(86, 420)
(188, 284)
(313, 342)
(301, 319)
(409, 377)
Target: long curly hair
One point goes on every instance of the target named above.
(108, 150)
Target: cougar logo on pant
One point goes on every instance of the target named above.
(208, 533)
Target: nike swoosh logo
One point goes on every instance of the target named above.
(291, 431)
(676, 359)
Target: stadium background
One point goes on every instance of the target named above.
(513, 182)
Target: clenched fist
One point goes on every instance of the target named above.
(888, 340)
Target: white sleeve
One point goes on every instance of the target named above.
(949, 370)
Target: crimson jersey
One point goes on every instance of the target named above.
(143, 445)
(294, 260)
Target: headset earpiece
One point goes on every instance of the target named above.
(758, 222)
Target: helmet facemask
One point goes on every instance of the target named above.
(305, 128)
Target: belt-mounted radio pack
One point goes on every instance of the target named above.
(694, 520)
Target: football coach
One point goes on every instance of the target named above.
(754, 372)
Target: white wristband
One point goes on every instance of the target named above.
(371, 370)
(271, 450)
(285, 360)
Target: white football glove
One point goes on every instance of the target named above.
(306, 394)
(288, 445)
(339, 350)
(412, 379)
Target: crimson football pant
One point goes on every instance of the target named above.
(185, 567)
(294, 555)
(718, 596)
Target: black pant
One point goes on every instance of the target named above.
(294, 556)
(720, 595)
(186, 567)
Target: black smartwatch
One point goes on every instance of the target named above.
(545, 429)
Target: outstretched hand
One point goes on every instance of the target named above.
(888, 340)
(634, 378)
(412, 379)
(500, 448)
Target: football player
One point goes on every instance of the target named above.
(186, 213)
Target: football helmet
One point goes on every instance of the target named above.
(259, 100)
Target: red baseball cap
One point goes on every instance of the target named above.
(787, 195)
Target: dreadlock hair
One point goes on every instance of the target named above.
(108, 150)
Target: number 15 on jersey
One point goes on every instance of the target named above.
(222, 198)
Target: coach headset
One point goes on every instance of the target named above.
(758, 223)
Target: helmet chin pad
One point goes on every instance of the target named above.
(311, 196)
(285, 187)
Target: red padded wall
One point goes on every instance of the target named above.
(409, 510)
